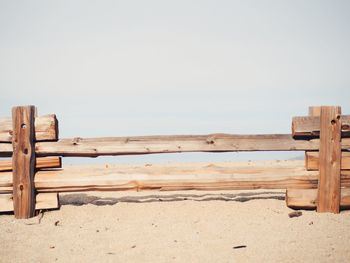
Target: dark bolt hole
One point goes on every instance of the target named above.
(25, 151)
(21, 187)
(23, 126)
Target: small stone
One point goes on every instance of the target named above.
(295, 214)
(241, 246)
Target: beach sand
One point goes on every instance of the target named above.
(225, 226)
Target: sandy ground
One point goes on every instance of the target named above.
(176, 227)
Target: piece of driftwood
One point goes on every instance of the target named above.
(184, 176)
(42, 162)
(307, 198)
(23, 161)
(328, 198)
(46, 128)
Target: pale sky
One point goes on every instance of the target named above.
(119, 68)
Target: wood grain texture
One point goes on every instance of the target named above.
(93, 147)
(46, 128)
(329, 160)
(43, 201)
(312, 161)
(307, 198)
(42, 162)
(314, 110)
(309, 126)
(184, 176)
(23, 161)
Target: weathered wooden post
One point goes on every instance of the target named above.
(23, 161)
(328, 197)
(328, 160)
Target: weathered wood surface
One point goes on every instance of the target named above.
(309, 126)
(46, 128)
(307, 198)
(43, 201)
(93, 147)
(42, 162)
(23, 161)
(312, 161)
(176, 144)
(314, 110)
(328, 199)
(185, 176)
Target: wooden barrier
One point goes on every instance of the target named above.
(35, 175)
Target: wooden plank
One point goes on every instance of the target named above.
(23, 161)
(175, 144)
(46, 128)
(309, 126)
(5, 149)
(314, 110)
(312, 161)
(92, 147)
(184, 176)
(43, 201)
(329, 160)
(307, 198)
(43, 162)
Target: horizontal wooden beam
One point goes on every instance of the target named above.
(93, 147)
(309, 126)
(42, 162)
(175, 144)
(46, 128)
(186, 176)
(307, 198)
(43, 201)
(312, 161)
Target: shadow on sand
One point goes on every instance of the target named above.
(84, 199)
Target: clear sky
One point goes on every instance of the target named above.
(118, 68)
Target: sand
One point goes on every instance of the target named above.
(176, 227)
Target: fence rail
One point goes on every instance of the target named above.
(35, 175)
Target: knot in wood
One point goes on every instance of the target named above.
(76, 140)
(210, 140)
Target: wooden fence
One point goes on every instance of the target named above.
(33, 177)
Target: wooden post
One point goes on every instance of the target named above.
(328, 197)
(23, 161)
